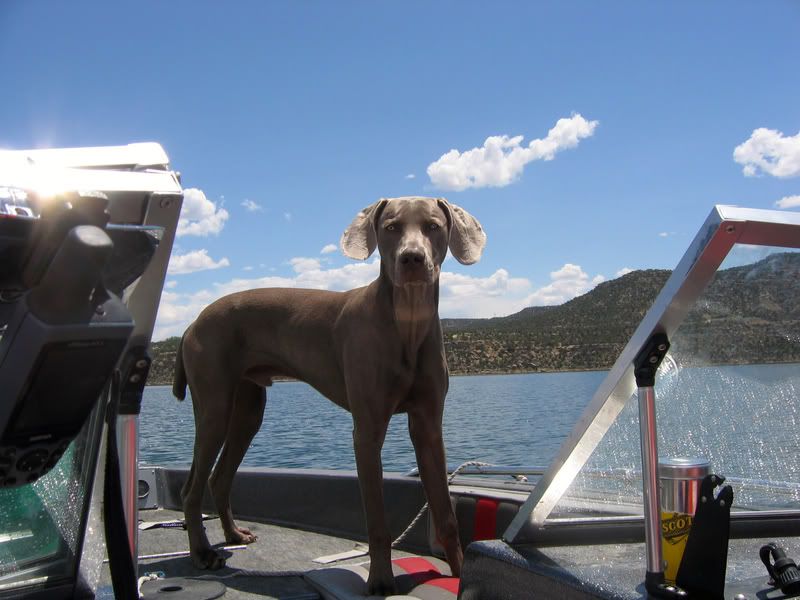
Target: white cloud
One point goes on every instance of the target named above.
(177, 311)
(502, 159)
(197, 260)
(329, 249)
(623, 271)
(247, 268)
(411, 176)
(788, 202)
(769, 151)
(303, 265)
(566, 283)
(496, 295)
(287, 216)
(199, 215)
(171, 284)
(252, 206)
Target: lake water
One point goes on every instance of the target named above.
(744, 419)
(501, 419)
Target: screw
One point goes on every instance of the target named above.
(703, 499)
(141, 363)
(662, 347)
(653, 360)
(165, 202)
(722, 502)
(730, 228)
(135, 378)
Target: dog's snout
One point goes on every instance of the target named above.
(412, 257)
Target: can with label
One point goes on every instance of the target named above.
(679, 482)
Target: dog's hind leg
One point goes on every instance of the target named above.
(248, 412)
(212, 413)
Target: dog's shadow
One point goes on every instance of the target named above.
(257, 583)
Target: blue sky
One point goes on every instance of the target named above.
(286, 118)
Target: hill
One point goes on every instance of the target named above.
(748, 313)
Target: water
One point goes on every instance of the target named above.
(743, 419)
(500, 419)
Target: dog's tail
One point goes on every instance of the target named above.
(179, 378)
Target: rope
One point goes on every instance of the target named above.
(252, 573)
(423, 510)
(147, 577)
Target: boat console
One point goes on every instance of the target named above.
(85, 237)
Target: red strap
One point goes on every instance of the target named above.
(420, 570)
(446, 583)
(485, 520)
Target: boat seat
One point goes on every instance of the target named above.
(416, 577)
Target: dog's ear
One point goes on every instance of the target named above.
(360, 239)
(467, 237)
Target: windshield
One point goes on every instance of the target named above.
(42, 524)
(727, 392)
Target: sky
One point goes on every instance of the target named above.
(588, 138)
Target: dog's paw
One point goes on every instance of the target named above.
(208, 559)
(240, 535)
(380, 586)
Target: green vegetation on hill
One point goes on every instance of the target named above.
(749, 313)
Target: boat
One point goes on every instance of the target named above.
(76, 506)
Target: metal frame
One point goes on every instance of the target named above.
(724, 227)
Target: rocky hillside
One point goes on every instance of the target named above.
(749, 313)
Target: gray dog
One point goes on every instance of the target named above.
(375, 351)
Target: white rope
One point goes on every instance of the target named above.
(423, 510)
(145, 578)
(251, 573)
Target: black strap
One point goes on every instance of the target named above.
(120, 561)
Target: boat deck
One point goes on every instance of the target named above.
(260, 570)
(273, 566)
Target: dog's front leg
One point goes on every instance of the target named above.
(367, 443)
(426, 435)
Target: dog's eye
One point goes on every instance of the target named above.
(390, 228)
(433, 226)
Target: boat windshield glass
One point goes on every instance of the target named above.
(726, 392)
(41, 524)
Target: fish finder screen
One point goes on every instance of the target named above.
(63, 387)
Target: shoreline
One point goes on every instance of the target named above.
(543, 372)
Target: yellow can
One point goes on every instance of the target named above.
(679, 483)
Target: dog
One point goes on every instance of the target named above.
(375, 351)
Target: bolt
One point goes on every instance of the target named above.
(722, 503)
(730, 228)
(165, 202)
(141, 363)
(662, 347)
(653, 360)
(135, 378)
(703, 499)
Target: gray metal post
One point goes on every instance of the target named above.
(652, 507)
(128, 448)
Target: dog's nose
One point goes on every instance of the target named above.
(412, 257)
